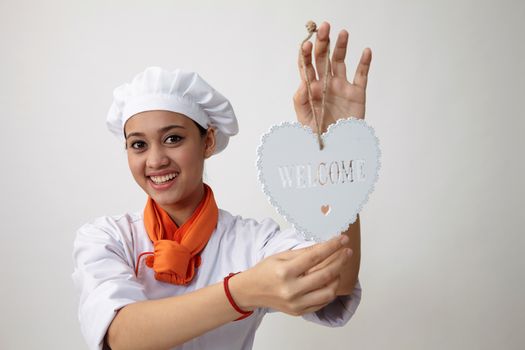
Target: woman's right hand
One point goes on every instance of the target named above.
(288, 281)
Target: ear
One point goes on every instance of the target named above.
(209, 142)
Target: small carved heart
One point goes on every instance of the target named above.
(325, 209)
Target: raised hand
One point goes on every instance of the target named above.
(344, 98)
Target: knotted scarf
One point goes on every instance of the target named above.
(177, 250)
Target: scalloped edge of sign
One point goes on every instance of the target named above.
(308, 235)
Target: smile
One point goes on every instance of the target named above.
(159, 180)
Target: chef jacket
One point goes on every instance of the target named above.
(105, 258)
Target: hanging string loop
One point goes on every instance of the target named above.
(311, 27)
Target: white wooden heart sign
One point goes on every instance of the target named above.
(320, 192)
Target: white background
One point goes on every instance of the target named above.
(442, 235)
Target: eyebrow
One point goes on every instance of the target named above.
(160, 131)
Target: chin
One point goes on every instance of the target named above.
(166, 199)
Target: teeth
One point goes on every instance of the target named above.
(164, 178)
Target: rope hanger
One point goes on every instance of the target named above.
(312, 28)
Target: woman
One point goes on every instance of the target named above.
(163, 278)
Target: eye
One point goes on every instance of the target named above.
(173, 139)
(138, 145)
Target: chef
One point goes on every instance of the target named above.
(183, 273)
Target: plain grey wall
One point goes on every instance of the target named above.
(442, 235)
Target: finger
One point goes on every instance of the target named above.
(323, 276)
(313, 309)
(313, 255)
(361, 73)
(318, 299)
(295, 252)
(338, 57)
(307, 56)
(291, 254)
(323, 263)
(321, 50)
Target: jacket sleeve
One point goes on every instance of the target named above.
(335, 314)
(104, 277)
(339, 311)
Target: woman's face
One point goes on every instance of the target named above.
(166, 155)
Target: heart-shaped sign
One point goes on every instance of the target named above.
(320, 192)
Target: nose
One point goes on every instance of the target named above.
(157, 158)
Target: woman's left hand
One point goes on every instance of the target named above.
(344, 99)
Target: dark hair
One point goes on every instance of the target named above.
(202, 131)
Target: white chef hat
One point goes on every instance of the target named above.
(177, 91)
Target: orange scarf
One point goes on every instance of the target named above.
(177, 250)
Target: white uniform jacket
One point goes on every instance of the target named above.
(105, 257)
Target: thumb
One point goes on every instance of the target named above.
(300, 97)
